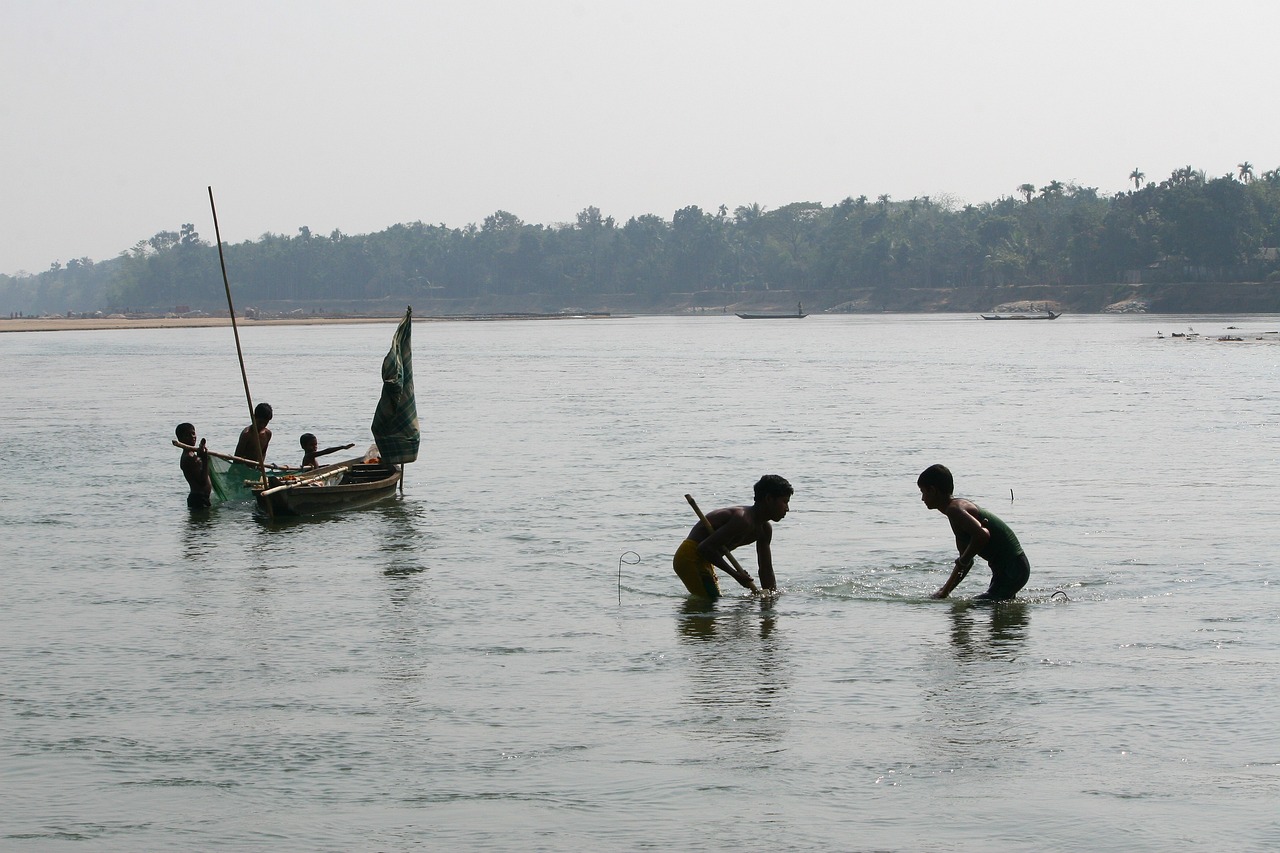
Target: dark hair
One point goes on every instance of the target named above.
(771, 485)
(262, 412)
(937, 476)
(306, 436)
(184, 427)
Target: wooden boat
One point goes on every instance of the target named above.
(798, 315)
(1024, 315)
(356, 482)
(372, 477)
(332, 488)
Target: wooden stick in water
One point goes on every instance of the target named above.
(727, 554)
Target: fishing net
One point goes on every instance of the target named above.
(228, 480)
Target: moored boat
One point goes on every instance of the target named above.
(1024, 315)
(798, 315)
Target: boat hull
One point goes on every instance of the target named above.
(333, 488)
(1039, 315)
(773, 316)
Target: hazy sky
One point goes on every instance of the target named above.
(117, 115)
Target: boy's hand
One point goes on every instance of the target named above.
(938, 594)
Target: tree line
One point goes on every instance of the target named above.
(1187, 227)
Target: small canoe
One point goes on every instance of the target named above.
(1029, 315)
(796, 316)
(332, 488)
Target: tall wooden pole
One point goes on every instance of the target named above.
(244, 376)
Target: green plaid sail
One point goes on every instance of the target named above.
(395, 422)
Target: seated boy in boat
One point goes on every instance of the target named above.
(309, 452)
(195, 467)
(703, 551)
(246, 447)
(978, 533)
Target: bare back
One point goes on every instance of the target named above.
(246, 448)
(735, 526)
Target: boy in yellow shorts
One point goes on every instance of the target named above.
(704, 551)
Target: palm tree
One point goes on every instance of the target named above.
(1053, 190)
(1027, 190)
(1246, 172)
(1136, 176)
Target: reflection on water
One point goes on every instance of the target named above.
(738, 669)
(399, 541)
(197, 531)
(994, 630)
(973, 708)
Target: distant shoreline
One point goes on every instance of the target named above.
(72, 324)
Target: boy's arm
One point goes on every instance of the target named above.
(329, 450)
(196, 461)
(764, 560)
(958, 573)
(963, 523)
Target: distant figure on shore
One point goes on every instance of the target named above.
(978, 534)
(246, 447)
(309, 453)
(195, 467)
(702, 551)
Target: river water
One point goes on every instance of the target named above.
(502, 659)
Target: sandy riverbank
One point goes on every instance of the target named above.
(67, 324)
(61, 324)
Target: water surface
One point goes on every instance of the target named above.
(475, 666)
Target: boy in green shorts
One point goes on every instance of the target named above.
(979, 533)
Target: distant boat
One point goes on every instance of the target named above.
(1046, 314)
(798, 315)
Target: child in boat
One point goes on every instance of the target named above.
(195, 467)
(246, 447)
(703, 551)
(309, 451)
(978, 533)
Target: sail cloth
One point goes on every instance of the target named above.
(395, 421)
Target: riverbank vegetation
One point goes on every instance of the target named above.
(1185, 228)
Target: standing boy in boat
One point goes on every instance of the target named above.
(195, 467)
(703, 551)
(246, 447)
(978, 533)
(309, 452)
